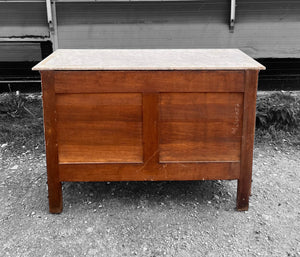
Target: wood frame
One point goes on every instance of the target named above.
(150, 84)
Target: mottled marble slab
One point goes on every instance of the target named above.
(148, 59)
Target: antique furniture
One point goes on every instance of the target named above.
(135, 115)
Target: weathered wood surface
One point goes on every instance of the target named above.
(151, 172)
(54, 183)
(148, 81)
(99, 127)
(150, 129)
(244, 182)
(149, 125)
(200, 126)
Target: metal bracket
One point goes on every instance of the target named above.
(52, 22)
(49, 15)
(232, 16)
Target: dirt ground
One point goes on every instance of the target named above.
(150, 218)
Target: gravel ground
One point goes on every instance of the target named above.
(151, 218)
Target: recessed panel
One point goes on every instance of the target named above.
(99, 128)
(200, 127)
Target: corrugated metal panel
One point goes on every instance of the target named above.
(264, 28)
(23, 20)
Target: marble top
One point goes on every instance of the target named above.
(148, 59)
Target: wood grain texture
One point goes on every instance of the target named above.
(99, 107)
(200, 98)
(200, 126)
(244, 182)
(148, 81)
(150, 128)
(54, 185)
(110, 133)
(200, 107)
(151, 172)
(177, 132)
(100, 153)
(206, 150)
(141, 125)
(99, 128)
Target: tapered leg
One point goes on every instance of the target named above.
(244, 181)
(243, 194)
(54, 185)
(55, 197)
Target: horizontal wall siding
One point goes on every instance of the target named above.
(268, 10)
(266, 28)
(23, 20)
(138, 24)
(20, 52)
(263, 28)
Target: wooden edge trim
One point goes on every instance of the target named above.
(244, 182)
(158, 172)
(149, 81)
(49, 109)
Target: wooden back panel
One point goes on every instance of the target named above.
(200, 127)
(147, 121)
(101, 128)
(148, 81)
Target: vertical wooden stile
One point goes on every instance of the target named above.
(244, 181)
(54, 185)
(150, 128)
